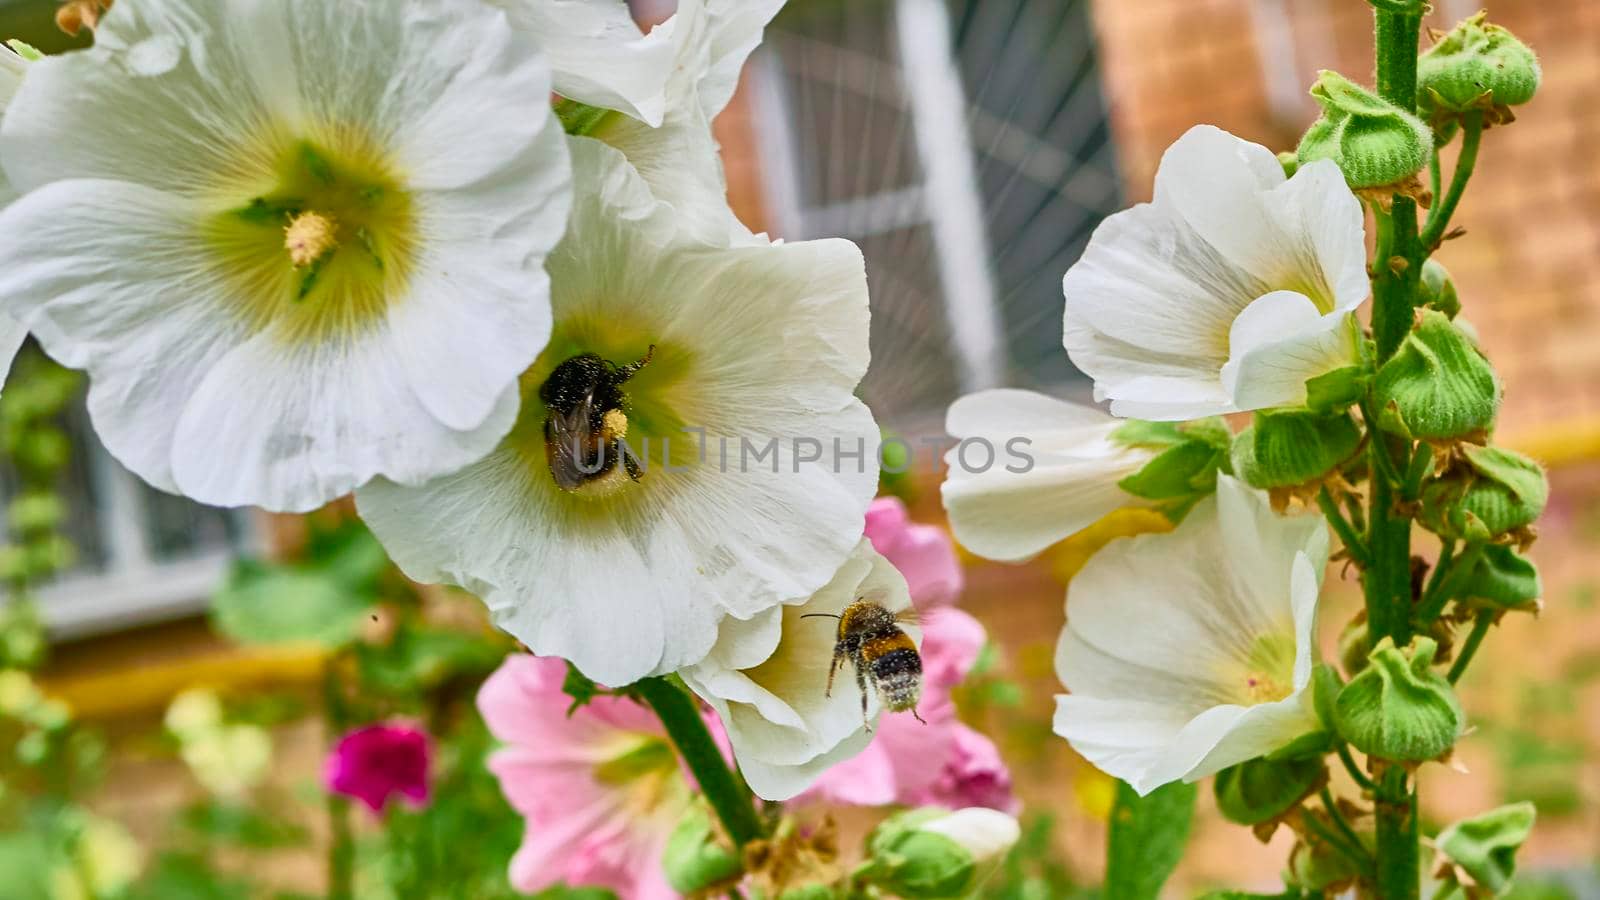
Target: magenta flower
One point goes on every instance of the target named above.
(924, 554)
(374, 763)
(601, 790)
(972, 775)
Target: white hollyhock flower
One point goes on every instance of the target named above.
(1053, 471)
(1191, 651)
(767, 679)
(12, 333)
(628, 573)
(668, 85)
(1226, 292)
(294, 244)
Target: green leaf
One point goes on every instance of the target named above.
(1139, 433)
(1176, 473)
(1335, 391)
(1147, 839)
(272, 605)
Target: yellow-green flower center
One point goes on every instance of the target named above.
(1266, 675)
(315, 238)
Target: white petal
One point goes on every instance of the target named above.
(12, 334)
(1070, 483)
(1149, 745)
(736, 28)
(75, 243)
(1279, 343)
(598, 53)
(785, 727)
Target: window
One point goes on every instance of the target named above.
(965, 146)
(142, 555)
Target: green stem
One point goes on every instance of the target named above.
(1439, 219)
(1347, 534)
(1417, 471)
(1343, 825)
(1361, 778)
(1396, 272)
(1354, 852)
(684, 724)
(1398, 873)
(1480, 627)
(1447, 581)
(341, 841)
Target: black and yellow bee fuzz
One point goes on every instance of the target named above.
(896, 670)
(883, 655)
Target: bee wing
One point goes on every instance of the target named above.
(908, 616)
(880, 597)
(569, 442)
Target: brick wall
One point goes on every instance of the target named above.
(1529, 269)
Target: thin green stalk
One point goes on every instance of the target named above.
(1448, 579)
(1439, 219)
(1435, 180)
(1354, 852)
(728, 796)
(1347, 534)
(1480, 628)
(1361, 778)
(341, 840)
(1420, 467)
(1340, 822)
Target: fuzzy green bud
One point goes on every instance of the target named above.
(1261, 790)
(1502, 578)
(1438, 290)
(1290, 163)
(930, 853)
(1438, 386)
(1481, 852)
(1488, 494)
(1399, 708)
(1375, 143)
(1291, 448)
(1476, 66)
(695, 859)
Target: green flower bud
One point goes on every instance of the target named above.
(1438, 386)
(1260, 790)
(1294, 448)
(1490, 493)
(1375, 143)
(930, 853)
(1481, 852)
(1438, 291)
(1185, 468)
(1476, 66)
(1290, 163)
(1501, 578)
(696, 859)
(1398, 708)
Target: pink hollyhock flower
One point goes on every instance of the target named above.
(376, 762)
(924, 554)
(973, 775)
(943, 762)
(601, 790)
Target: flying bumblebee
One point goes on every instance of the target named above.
(871, 640)
(583, 435)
